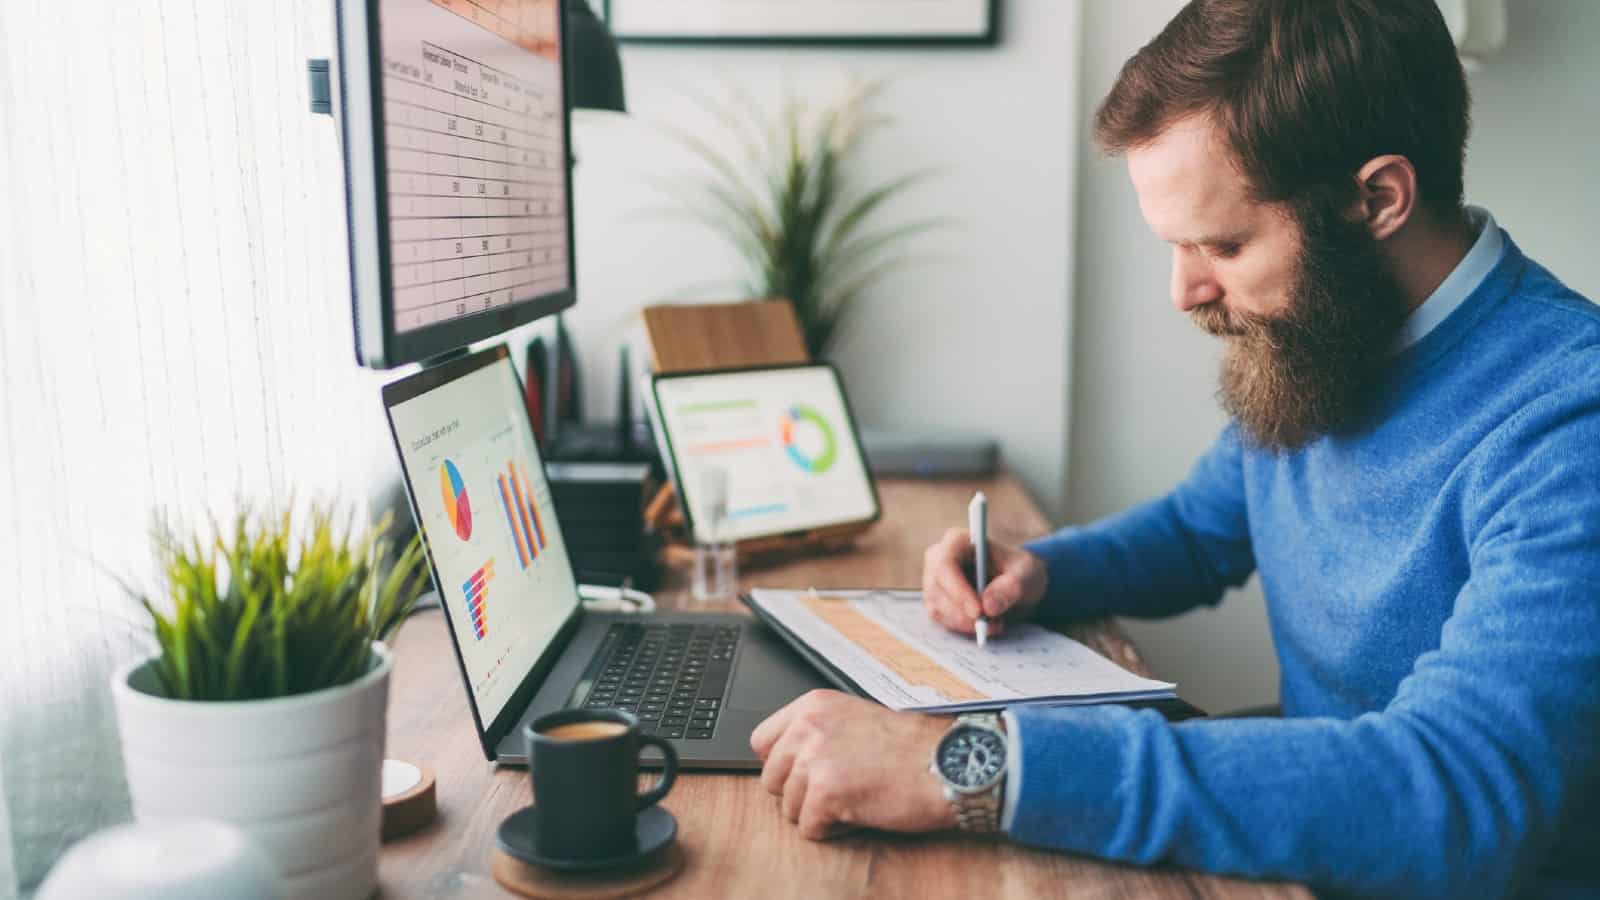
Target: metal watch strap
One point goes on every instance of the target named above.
(979, 813)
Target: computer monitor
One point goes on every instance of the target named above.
(455, 129)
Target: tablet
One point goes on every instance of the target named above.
(782, 439)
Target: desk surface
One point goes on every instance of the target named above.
(736, 840)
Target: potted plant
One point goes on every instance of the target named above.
(791, 197)
(265, 704)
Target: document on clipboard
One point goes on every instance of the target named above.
(883, 645)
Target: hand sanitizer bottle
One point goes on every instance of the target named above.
(715, 579)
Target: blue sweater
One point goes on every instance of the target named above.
(1433, 588)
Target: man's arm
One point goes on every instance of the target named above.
(1159, 558)
(1458, 788)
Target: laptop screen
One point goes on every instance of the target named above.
(781, 440)
(478, 489)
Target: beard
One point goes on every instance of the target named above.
(1291, 378)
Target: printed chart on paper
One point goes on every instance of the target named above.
(885, 643)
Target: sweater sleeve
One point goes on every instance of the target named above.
(1459, 787)
(1159, 558)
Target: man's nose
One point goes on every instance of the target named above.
(1192, 284)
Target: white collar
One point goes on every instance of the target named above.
(1460, 283)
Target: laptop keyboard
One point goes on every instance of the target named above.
(672, 677)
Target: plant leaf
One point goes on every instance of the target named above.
(857, 210)
(850, 259)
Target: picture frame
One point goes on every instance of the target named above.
(814, 22)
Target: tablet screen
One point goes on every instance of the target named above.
(782, 440)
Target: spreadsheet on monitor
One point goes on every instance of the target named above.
(476, 156)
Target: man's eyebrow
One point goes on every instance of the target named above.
(1211, 240)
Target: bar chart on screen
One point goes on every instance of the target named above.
(522, 513)
(476, 590)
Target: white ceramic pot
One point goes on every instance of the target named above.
(301, 775)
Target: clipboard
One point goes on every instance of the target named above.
(1172, 708)
(817, 661)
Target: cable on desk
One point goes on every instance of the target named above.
(595, 597)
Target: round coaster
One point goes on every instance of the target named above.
(409, 800)
(537, 881)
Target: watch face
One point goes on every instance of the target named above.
(972, 757)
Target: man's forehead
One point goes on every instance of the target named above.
(1188, 190)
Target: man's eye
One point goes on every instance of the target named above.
(1225, 251)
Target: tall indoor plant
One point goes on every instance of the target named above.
(794, 198)
(265, 705)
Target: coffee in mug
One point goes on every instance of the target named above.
(585, 731)
(585, 769)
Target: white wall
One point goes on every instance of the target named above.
(1534, 155)
(1000, 121)
(1143, 377)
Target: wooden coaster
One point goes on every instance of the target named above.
(409, 800)
(536, 881)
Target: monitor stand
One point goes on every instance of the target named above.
(444, 357)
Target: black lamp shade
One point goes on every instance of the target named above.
(594, 68)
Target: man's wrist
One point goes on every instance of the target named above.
(943, 812)
(946, 812)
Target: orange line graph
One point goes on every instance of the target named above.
(910, 664)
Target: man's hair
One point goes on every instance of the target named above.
(1304, 92)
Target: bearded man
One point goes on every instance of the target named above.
(1412, 467)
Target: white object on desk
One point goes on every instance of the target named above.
(607, 598)
(190, 860)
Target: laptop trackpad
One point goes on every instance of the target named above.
(769, 675)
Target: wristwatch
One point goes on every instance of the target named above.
(971, 761)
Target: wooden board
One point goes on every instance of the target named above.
(689, 337)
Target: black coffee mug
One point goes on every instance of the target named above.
(585, 768)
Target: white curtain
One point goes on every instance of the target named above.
(174, 335)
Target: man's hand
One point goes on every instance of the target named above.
(839, 760)
(1014, 591)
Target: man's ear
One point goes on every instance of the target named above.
(1388, 186)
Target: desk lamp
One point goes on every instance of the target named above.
(594, 69)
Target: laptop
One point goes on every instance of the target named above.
(525, 644)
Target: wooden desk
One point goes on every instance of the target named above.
(737, 842)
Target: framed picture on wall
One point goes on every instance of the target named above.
(805, 21)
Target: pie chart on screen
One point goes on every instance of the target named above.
(456, 505)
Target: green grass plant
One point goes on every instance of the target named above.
(267, 608)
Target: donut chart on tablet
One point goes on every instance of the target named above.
(808, 439)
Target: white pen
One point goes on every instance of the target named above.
(978, 527)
